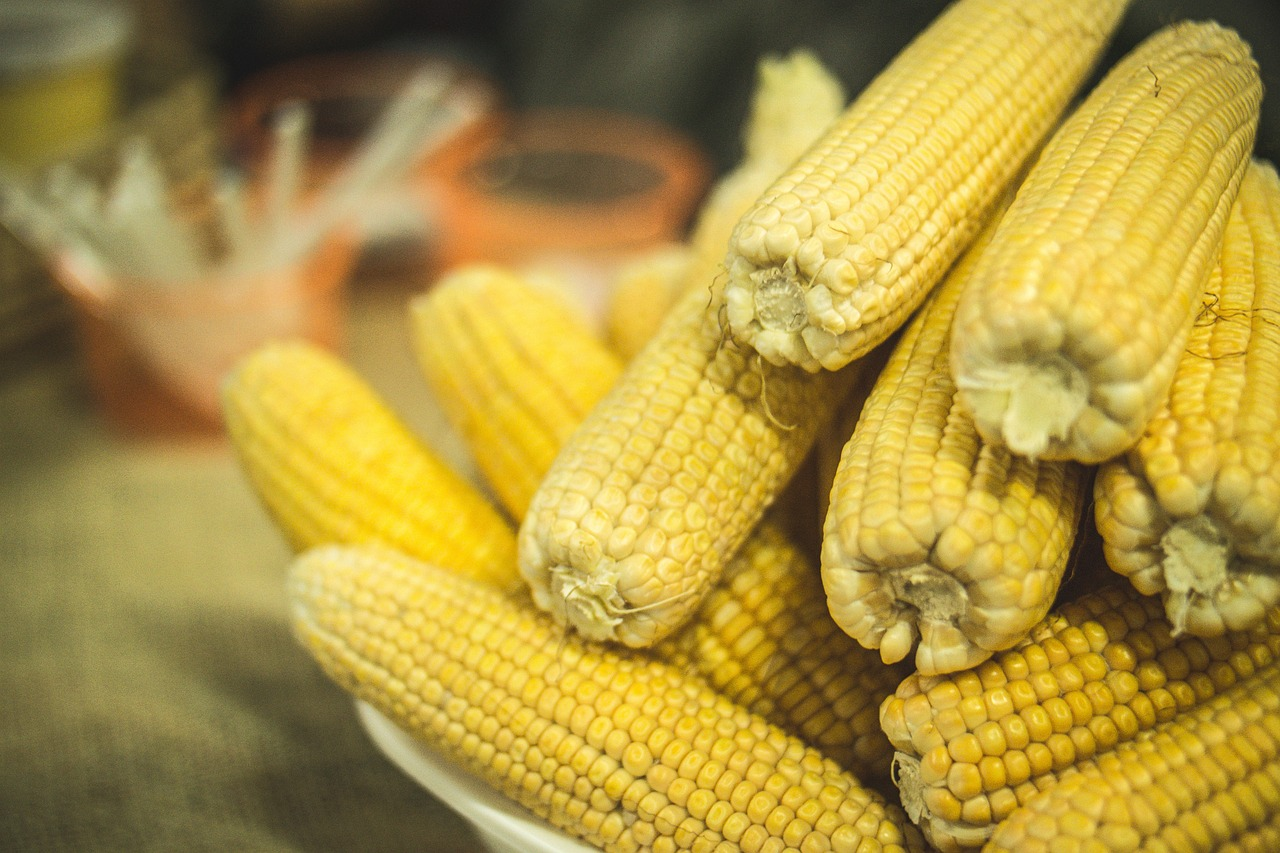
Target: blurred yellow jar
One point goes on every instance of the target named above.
(60, 75)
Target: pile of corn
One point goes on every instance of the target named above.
(1030, 347)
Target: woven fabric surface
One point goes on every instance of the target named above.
(153, 696)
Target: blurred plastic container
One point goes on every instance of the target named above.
(156, 352)
(568, 191)
(346, 93)
(61, 65)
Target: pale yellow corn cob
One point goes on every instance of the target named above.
(1199, 782)
(506, 358)
(794, 100)
(1193, 510)
(762, 636)
(848, 241)
(622, 751)
(1099, 671)
(1065, 342)
(932, 534)
(332, 463)
(643, 291)
(666, 478)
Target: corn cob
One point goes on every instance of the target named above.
(932, 534)
(643, 291)
(666, 478)
(1207, 778)
(1065, 343)
(1193, 510)
(762, 635)
(1099, 671)
(332, 463)
(622, 751)
(514, 368)
(847, 242)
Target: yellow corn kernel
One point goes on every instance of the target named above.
(332, 463)
(764, 639)
(931, 534)
(1097, 673)
(667, 477)
(1192, 512)
(459, 665)
(514, 368)
(847, 242)
(1065, 342)
(1205, 781)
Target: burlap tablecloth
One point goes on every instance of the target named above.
(153, 697)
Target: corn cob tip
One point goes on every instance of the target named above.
(588, 603)
(775, 312)
(931, 612)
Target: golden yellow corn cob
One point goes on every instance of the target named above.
(1199, 782)
(764, 639)
(333, 464)
(1065, 342)
(972, 746)
(508, 359)
(643, 291)
(1193, 510)
(762, 635)
(848, 241)
(666, 478)
(619, 750)
(932, 534)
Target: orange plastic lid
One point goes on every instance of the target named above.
(518, 185)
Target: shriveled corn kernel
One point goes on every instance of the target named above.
(1200, 782)
(847, 242)
(1107, 637)
(332, 463)
(1065, 343)
(935, 539)
(1192, 512)
(342, 597)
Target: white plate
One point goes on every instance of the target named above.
(502, 824)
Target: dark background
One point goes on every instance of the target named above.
(689, 62)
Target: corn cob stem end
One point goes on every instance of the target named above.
(590, 604)
(945, 835)
(776, 312)
(1195, 564)
(1027, 407)
(930, 607)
